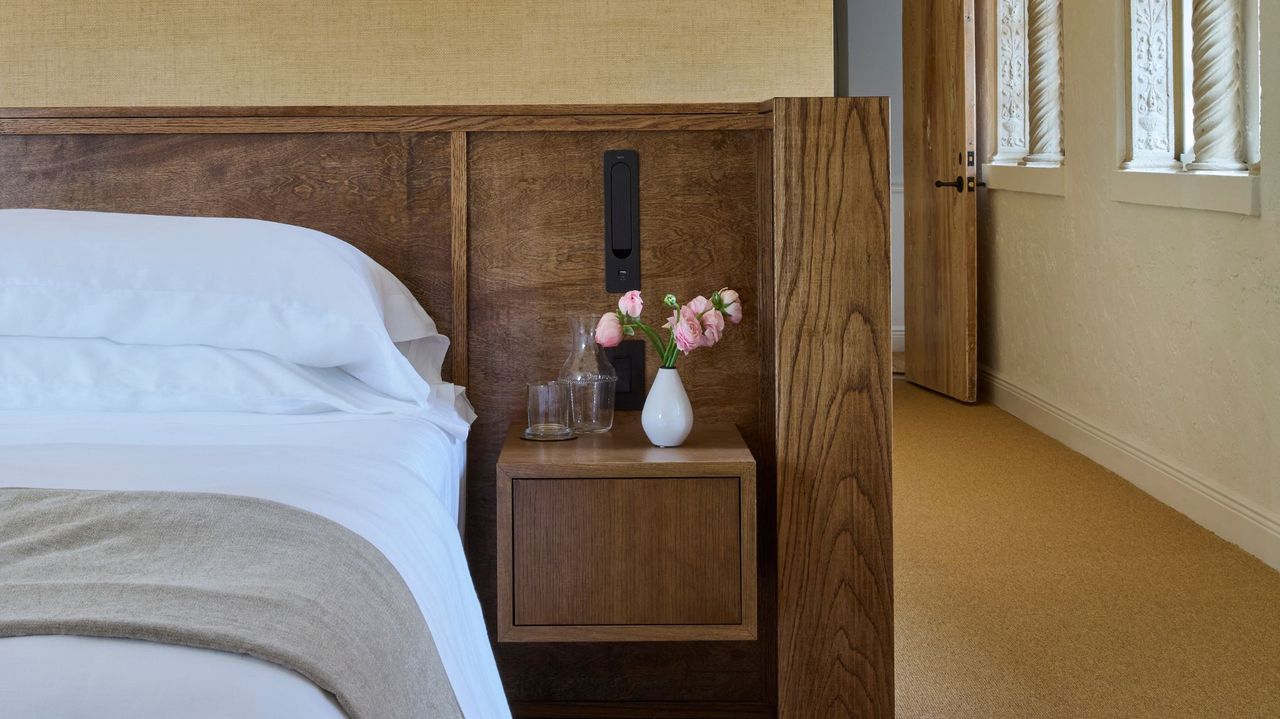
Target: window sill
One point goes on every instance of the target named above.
(1239, 194)
(1026, 178)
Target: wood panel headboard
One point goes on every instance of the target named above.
(786, 200)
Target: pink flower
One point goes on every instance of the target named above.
(631, 304)
(699, 305)
(712, 327)
(686, 328)
(710, 321)
(609, 330)
(732, 305)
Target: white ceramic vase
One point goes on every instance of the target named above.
(667, 417)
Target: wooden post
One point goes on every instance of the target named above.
(832, 364)
(458, 253)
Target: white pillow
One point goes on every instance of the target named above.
(293, 293)
(98, 375)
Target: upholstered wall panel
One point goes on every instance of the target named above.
(282, 52)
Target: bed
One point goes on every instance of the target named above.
(785, 199)
(394, 481)
(200, 360)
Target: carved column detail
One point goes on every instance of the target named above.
(1151, 108)
(1011, 99)
(1217, 88)
(1045, 53)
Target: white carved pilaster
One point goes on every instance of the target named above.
(1151, 107)
(1044, 50)
(1217, 89)
(1011, 99)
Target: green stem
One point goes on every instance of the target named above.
(670, 360)
(658, 345)
(667, 351)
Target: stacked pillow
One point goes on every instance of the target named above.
(121, 312)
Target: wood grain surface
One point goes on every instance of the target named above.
(833, 369)
(626, 514)
(595, 551)
(794, 219)
(458, 254)
(428, 123)
(690, 108)
(766, 445)
(536, 203)
(643, 710)
(717, 448)
(940, 241)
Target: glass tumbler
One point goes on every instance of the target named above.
(548, 411)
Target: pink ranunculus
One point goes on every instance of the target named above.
(688, 330)
(631, 304)
(609, 330)
(732, 305)
(699, 305)
(712, 327)
(710, 321)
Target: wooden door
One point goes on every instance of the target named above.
(940, 195)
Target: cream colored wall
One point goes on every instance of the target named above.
(1158, 326)
(289, 52)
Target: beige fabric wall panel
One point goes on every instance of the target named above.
(288, 52)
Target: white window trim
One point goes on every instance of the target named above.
(1231, 192)
(1012, 127)
(1044, 86)
(1156, 178)
(1151, 57)
(1028, 111)
(1048, 180)
(1252, 58)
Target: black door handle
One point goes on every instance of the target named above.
(958, 184)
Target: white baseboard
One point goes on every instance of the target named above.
(1210, 505)
(899, 339)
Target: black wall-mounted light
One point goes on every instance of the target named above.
(621, 220)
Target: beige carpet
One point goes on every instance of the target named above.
(1031, 582)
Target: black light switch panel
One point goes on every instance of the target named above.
(628, 361)
(621, 220)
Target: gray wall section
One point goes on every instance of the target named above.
(869, 62)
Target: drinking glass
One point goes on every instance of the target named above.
(548, 411)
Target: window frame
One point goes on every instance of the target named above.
(1012, 166)
(1172, 184)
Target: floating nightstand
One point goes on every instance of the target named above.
(608, 538)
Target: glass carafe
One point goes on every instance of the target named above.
(591, 379)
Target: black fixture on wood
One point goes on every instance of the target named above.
(628, 362)
(621, 220)
(957, 183)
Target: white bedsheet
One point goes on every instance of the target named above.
(396, 481)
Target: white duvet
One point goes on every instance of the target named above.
(394, 480)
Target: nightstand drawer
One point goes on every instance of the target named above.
(607, 538)
(627, 551)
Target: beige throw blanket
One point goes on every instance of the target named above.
(220, 572)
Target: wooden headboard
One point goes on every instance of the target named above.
(493, 217)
